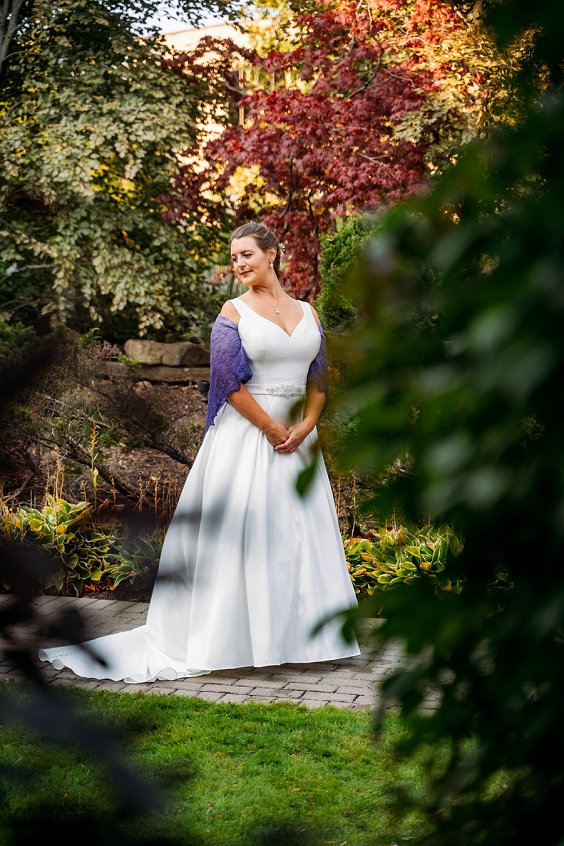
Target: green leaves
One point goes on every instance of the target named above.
(94, 126)
(87, 553)
(458, 365)
(138, 561)
(80, 557)
(305, 478)
(401, 555)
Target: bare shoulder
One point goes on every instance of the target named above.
(228, 310)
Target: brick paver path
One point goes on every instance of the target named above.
(345, 683)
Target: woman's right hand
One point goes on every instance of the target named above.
(275, 433)
(245, 403)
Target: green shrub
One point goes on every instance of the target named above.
(14, 341)
(340, 253)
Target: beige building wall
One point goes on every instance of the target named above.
(187, 39)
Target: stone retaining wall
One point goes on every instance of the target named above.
(182, 362)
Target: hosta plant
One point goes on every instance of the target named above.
(81, 552)
(390, 556)
(137, 563)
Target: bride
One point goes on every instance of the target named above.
(249, 567)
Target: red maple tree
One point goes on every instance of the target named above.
(352, 131)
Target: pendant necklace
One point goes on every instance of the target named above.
(276, 309)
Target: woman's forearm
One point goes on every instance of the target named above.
(315, 402)
(244, 402)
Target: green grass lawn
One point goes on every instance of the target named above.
(231, 774)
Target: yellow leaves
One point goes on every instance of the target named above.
(400, 555)
(129, 241)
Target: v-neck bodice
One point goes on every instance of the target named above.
(288, 334)
(275, 357)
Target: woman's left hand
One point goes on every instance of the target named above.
(298, 433)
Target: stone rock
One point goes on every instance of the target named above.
(147, 352)
(160, 373)
(185, 354)
(177, 354)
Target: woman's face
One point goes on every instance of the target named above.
(250, 264)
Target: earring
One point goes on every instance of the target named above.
(271, 264)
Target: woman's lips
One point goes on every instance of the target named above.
(245, 273)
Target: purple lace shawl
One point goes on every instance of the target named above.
(318, 372)
(229, 366)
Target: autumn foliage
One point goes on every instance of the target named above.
(372, 99)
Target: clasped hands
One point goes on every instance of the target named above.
(287, 439)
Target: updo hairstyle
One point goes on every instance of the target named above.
(264, 237)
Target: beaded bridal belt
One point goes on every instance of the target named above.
(286, 391)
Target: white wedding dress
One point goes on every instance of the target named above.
(248, 567)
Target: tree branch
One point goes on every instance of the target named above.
(8, 26)
(25, 267)
(375, 159)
